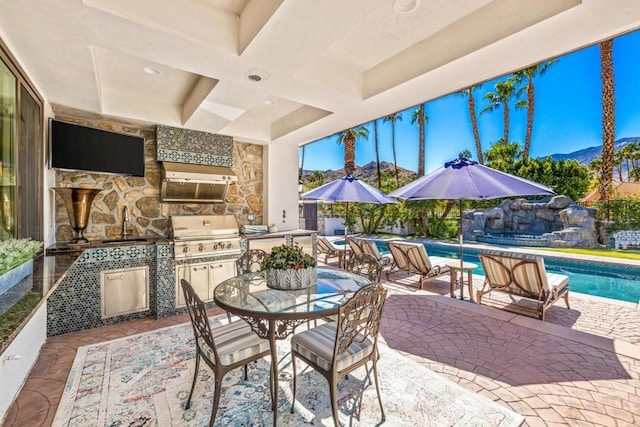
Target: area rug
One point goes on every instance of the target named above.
(144, 380)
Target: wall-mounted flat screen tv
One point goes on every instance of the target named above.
(75, 147)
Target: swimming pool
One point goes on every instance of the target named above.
(610, 281)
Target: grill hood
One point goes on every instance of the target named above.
(183, 182)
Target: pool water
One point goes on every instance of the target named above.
(611, 281)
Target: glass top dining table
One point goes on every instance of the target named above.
(250, 294)
(273, 314)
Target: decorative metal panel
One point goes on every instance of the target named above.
(192, 146)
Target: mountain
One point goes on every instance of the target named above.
(367, 172)
(586, 155)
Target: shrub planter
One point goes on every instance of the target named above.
(291, 279)
(12, 277)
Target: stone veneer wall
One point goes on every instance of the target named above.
(148, 217)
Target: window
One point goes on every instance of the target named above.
(21, 153)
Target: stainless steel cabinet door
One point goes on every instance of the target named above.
(198, 276)
(124, 291)
(219, 271)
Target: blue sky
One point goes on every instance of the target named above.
(568, 115)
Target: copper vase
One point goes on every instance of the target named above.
(78, 203)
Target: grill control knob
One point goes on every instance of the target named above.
(229, 245)
(215, 246)
(201, 248)
(185, 249)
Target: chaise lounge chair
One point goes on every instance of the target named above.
(328, 250)
(524, 276)
(356, 245)
(412, 258)
(371, 248)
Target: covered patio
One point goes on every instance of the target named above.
(579, 367)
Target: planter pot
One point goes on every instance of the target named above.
(12, 277)
(291, 279)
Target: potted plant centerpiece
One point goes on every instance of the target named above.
(16, 261)
(287, 267)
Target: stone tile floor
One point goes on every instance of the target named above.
(581, 367)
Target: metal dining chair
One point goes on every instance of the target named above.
(223, 348)
(335, 349)
(365, 265)
(250, 261)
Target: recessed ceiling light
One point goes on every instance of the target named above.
(257, 75)
(151, 71)
(403, 7)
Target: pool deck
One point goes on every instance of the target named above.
(581, 367)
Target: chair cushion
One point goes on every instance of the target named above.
(557, 281)
(317, 345)
(234, 342)
(325, 247)
(372, 248)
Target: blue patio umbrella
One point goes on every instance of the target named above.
(348, 189)
(464, 179)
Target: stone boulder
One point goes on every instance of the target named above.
(563, 223)
(495, 218)
(574, 215)
(559, 202)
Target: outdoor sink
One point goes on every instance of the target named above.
(132, 239)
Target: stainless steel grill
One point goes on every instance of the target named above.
(199, 236)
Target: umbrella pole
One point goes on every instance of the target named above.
(346, 245)
(346, 216)
(461, 236)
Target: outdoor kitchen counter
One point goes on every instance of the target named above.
(265, 241)
(278, 234)
(75, 248)
(75, 301)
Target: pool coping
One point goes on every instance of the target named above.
(618, 262)
(520, 249)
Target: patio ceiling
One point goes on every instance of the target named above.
(323, 65)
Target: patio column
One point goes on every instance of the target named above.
(281, 186)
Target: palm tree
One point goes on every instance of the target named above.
(375, 140)
(502, 153)
(525, 78)
(317, 178)
(617, 163)
(608, 117)
(348, 138)
(626, 154)
(466, 154)
(393, 118)
(419, 116)
(635, 159)
(471, 101)
(504, 92)
(301, 165)
(596, 165)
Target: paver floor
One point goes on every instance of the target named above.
(581, 367)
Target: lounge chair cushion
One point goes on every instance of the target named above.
(356, 245)
(325, 247)
(522, 275)
(372, 248)
(413, 257)
(527, 271)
